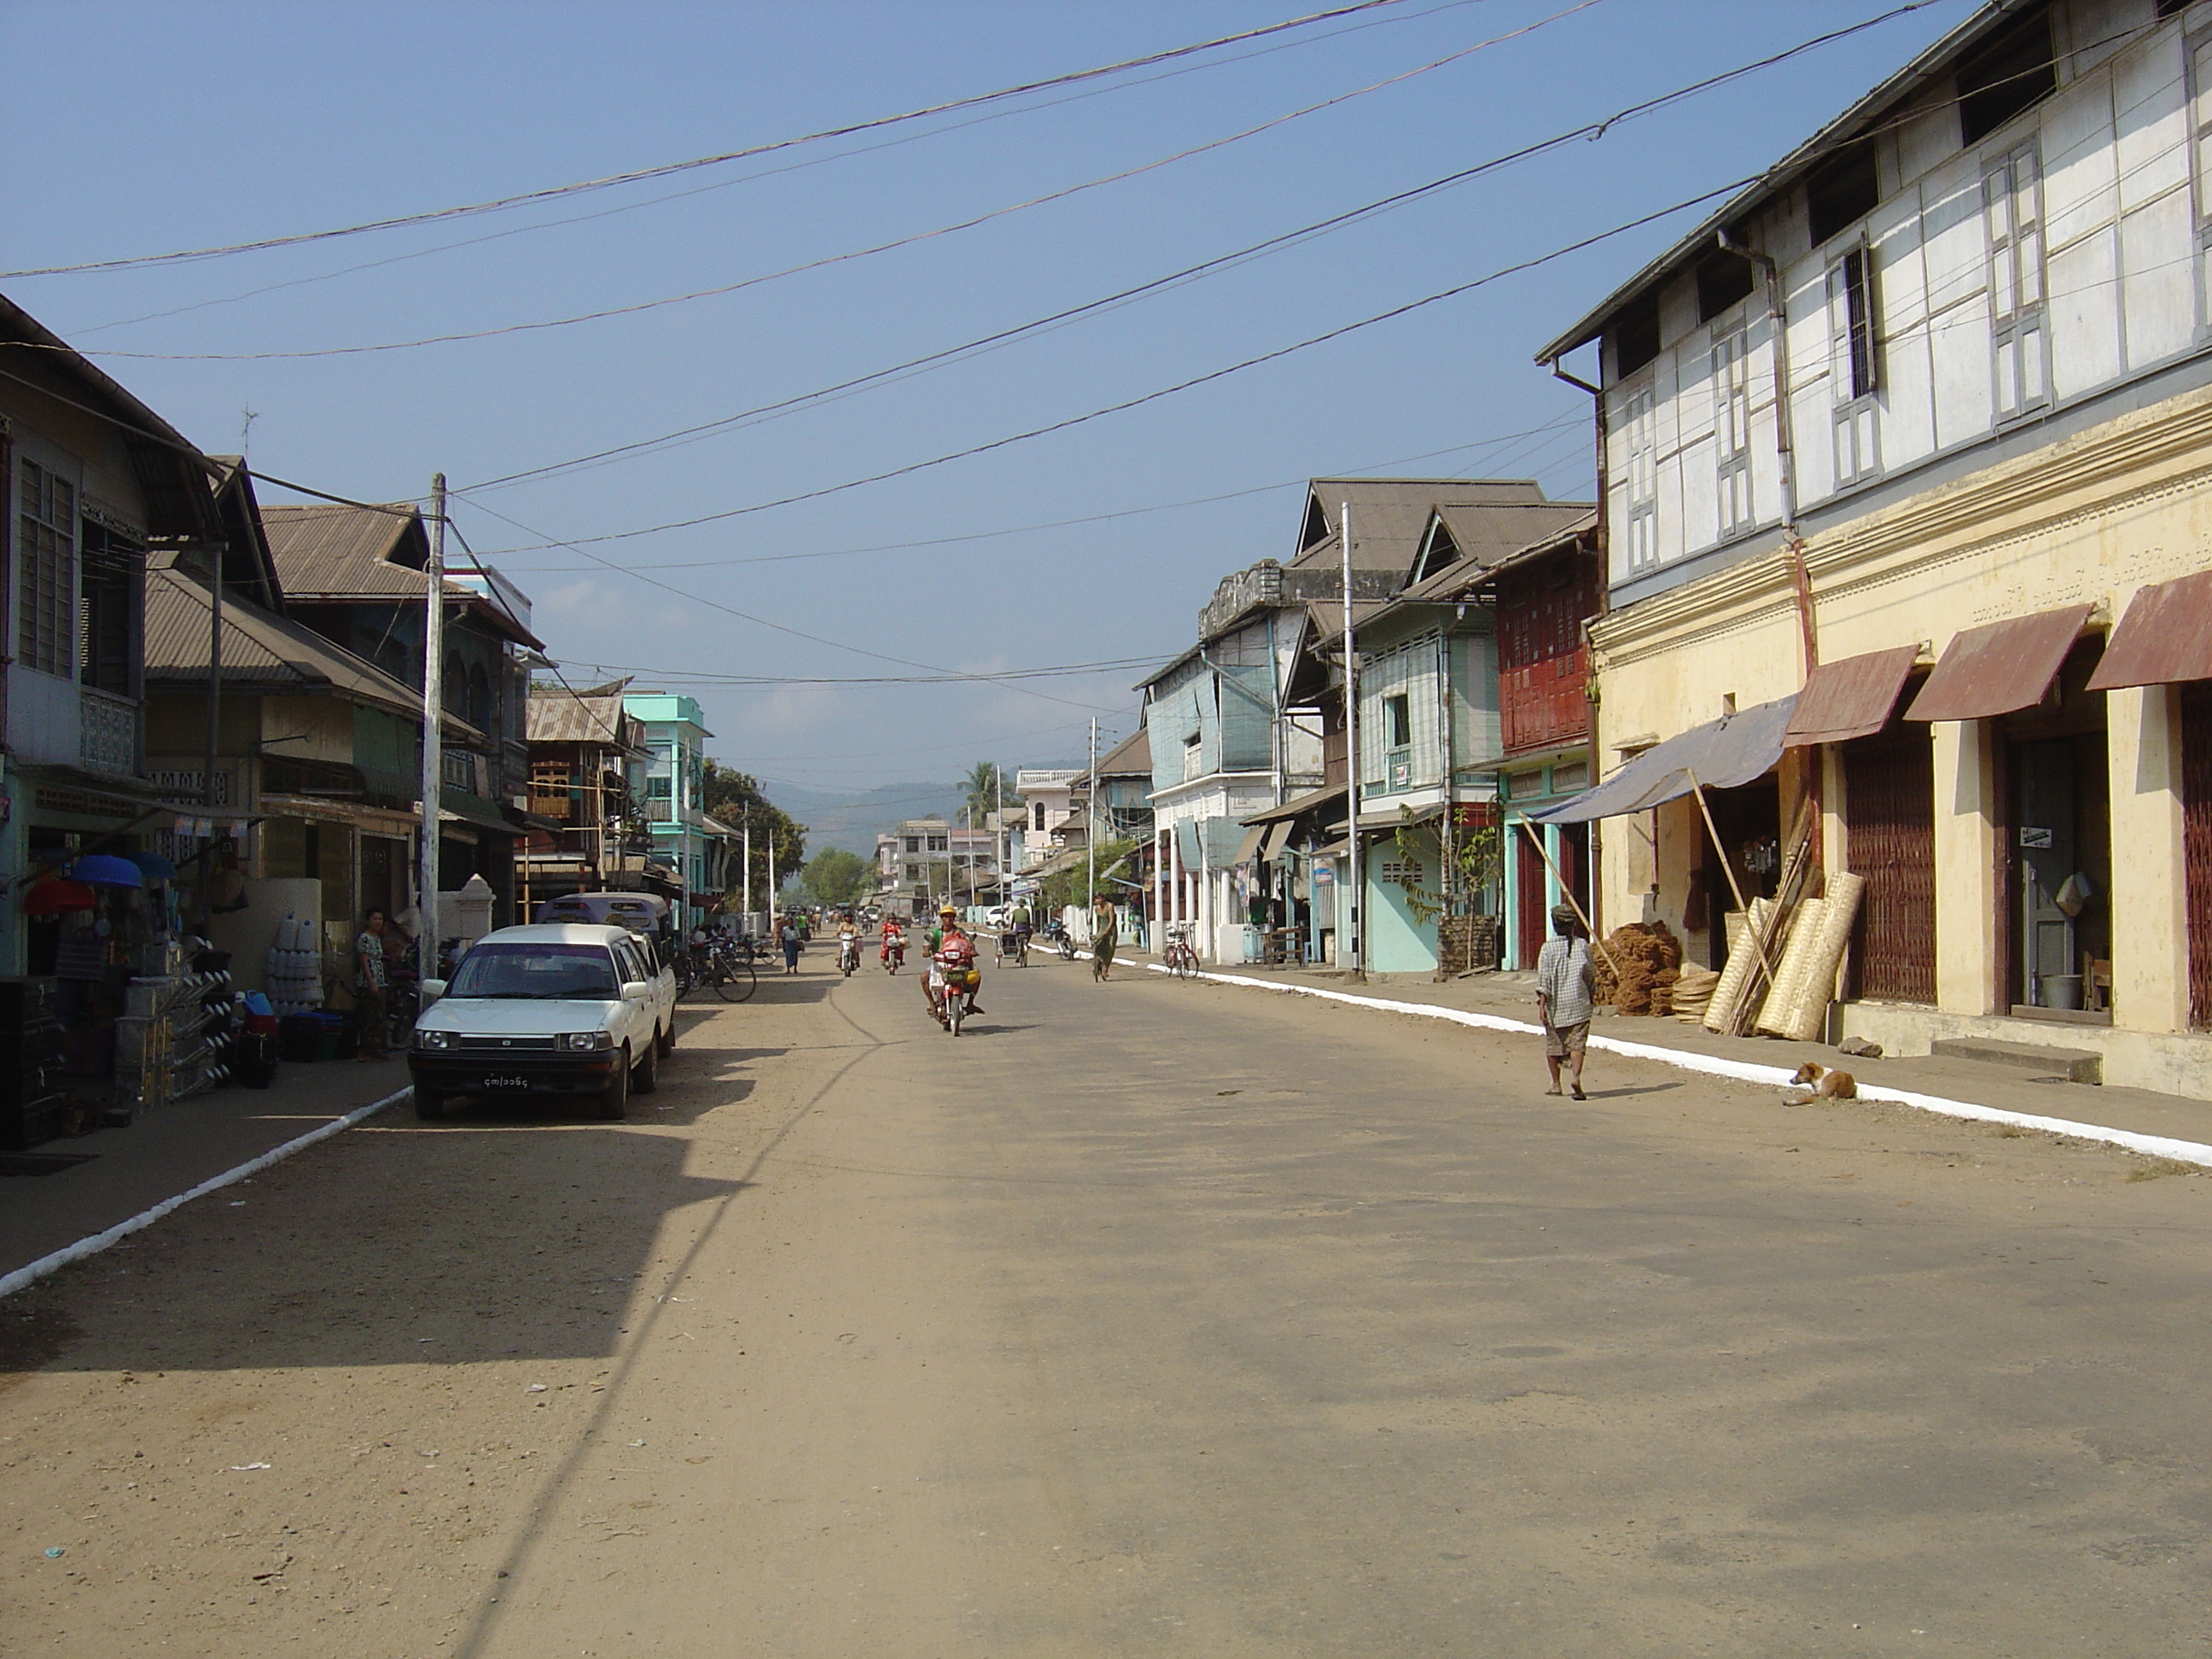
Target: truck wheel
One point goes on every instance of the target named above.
(668, 1037)
(614, 1102)
(430, 1104)
(645, 1079)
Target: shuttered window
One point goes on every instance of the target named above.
(45, 556)
(2196, 843)
(1889, 822)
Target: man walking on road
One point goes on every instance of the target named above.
(1566, 983)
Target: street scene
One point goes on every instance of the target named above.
(1137, 830)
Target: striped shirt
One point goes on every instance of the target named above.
(1565, 979)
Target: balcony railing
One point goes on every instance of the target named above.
(552, 804)
(660, 810)
(107, 731)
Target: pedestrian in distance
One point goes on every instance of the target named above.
(1103, 938)
(789, 937)
(1566, 985)
(369, 981)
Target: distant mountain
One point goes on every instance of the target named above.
(851, 821)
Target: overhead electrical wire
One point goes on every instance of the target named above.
(1588, 129)
(955, 228)
(665, 169)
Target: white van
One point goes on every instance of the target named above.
(548, 1009)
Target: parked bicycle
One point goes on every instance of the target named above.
(1180, 958)
(720, 965)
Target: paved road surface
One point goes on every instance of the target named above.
(1147, 1319)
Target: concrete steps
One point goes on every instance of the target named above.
(2070, 1064)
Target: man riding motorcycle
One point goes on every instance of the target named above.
(848, 945)
(947, 938)
(893, 953)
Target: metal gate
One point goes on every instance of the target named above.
(1889, 824)
(2196, 843)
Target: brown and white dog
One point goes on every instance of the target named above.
(1817, 1082)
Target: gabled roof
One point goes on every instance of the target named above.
(1390, 516)
(1132, 755)
(329, 553)
(1464, 539)
(558, 715)
(261, 652)
(1936, 64)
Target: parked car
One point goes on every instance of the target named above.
(546, 1009)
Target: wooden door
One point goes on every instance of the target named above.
(2044, 842)
(1889, 838)
(2196, 843)
(1528, 885)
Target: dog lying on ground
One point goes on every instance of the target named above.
(1814, 1081)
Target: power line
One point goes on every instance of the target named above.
(1588, 129)
(726, 289)
(666, 169)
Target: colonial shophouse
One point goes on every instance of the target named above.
(1908, 454)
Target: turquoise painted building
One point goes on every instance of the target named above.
(671, 783)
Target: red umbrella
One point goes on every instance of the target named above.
(53, 895)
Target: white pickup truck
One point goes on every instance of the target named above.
(547, 1009)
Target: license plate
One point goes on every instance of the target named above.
(507, 1083)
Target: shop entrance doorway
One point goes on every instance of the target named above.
(2060, 935)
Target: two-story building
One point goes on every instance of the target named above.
(670, 779)
(592, 833)
(1909, 494)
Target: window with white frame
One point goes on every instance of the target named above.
(1854, 367)
(2012, 207)
(45, 556)
(1732, 430)
(1191, 763)
(1639, 433)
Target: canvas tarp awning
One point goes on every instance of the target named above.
(2165, 638)
(1299, 805)
(1394, 818)
(1279, 835)
(1186, 841)
(1250, 845)
(1999, 667)
(1721, 754)
(1852, 698)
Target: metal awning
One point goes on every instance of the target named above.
(1849, 699)
(1999, 667)
(1722, 754)
(1397, 819)
(1299, 806)
(1250, 845)
(1279, 835)
(2164, 639)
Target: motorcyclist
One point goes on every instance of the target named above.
(934, 944)
(894, 945)
(849, 942)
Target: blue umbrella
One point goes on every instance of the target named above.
(154, 866)
(105, 870)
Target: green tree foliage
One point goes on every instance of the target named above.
(985, 789)
(838, 877)
(1065, 887)
(735, 798)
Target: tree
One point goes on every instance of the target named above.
(1067, 887)
(838, 877)
(986, 789)
(735, 798)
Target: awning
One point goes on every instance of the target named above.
(1186, 841)
(2164, 639)
(1999, 667)
(1722, 754)
(1278, 835)
(457, 806)
(1299, 806)
(1396, 819)
(1849, 699)
(1250, 844)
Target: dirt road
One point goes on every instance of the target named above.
(1144, 1319)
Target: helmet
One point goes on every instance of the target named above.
(948, 909)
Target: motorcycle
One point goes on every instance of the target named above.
(848, 954)
(1056, 935)
(893, 955)
(957, 979)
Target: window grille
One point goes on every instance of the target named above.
(2011, 204)
(46, 563)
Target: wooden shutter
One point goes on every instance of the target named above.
(2196, 843)
(1889, 822)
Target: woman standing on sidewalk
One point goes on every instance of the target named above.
(369, 981)
(1103, 938)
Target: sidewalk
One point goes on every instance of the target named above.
(172, 1149)
(2125, 1115)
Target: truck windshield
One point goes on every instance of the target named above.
(572, 972)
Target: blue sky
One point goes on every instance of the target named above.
(213, 122)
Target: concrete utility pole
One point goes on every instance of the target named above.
(1352, 966)
(745, 906)
(1091, 822)
(433, 698)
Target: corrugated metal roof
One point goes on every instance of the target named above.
(1550, 543)
(1849, 699)
(2164, 639)
(557, 717)
(333, 553)
(1390, 515)
(1133, 754)
(1999, 667)
(1487, 537)
(259, 650)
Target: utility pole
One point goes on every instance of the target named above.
(746, 908)
(771, 869)
(1091, 822)
(1352, 966)
(433, 697)
(215, 677)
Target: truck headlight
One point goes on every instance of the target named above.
(584, 1040)
(434, 1039)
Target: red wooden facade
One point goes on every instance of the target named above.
(1543, 660)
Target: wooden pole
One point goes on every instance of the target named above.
(1735, 888)
(1567, 887)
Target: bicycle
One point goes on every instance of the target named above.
(1179, 957)
(721, 969)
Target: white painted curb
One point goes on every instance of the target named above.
(25, 1276)
(1744, 1071)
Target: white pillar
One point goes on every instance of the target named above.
(1967, 890)
(2147, 902)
